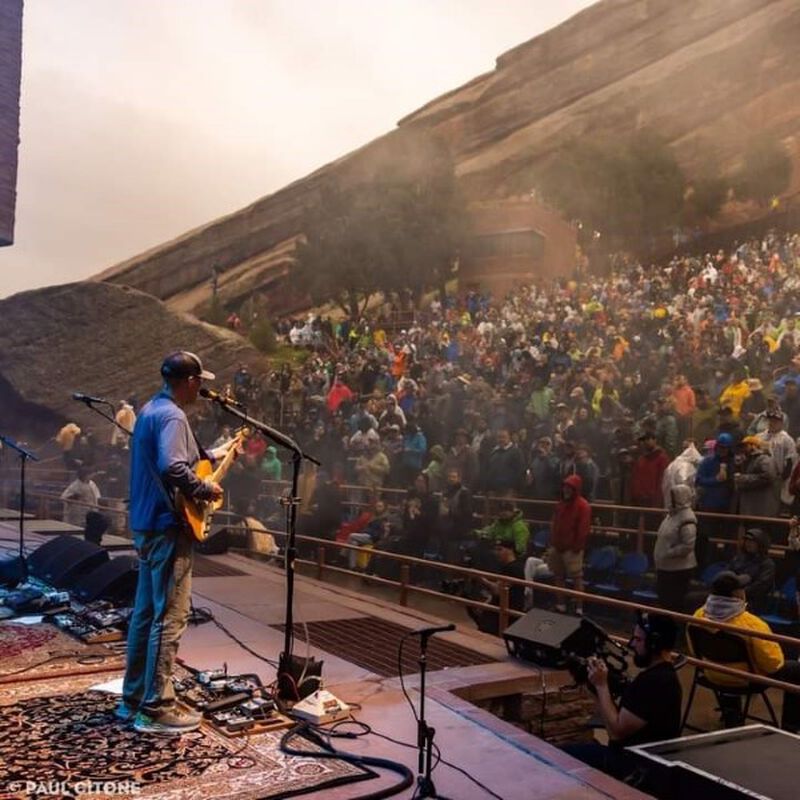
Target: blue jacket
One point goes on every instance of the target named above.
(715, 495)
(414, 447)
(163, 450)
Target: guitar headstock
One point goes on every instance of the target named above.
(243, 433)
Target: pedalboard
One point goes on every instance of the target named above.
(95, 623)
(234, 705)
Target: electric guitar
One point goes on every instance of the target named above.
(197, 514)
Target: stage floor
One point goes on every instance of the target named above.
(513, 764)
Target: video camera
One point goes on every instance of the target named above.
(608, 650)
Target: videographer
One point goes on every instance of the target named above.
(649, 709)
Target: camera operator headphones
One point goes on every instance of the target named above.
(654, 641)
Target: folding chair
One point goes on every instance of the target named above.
(726, 649)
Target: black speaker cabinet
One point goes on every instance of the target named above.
(51, 550)
(66, 560)
(115, 581)
(546, 638)
(216, 542)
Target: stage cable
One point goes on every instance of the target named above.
(308, 732)
(208, 616)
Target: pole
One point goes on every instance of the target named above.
(291, 554)
(285, 666)
(24, 455)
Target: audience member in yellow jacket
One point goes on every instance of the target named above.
(726, 603)
(734, 394)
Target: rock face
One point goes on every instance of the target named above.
(98, 338)
(705, 74)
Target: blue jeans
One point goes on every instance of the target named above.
(160, 614)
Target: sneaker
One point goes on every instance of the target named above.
(171, 721)
(125, 711)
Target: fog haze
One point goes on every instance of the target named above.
(143, 119)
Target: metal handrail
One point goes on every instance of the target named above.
(505, 612)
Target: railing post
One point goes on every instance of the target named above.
(320, 562)
(640, 534)
(504, 592)
(405, 578)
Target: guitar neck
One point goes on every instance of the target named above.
(228, 459)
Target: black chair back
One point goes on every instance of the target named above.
(720, 647)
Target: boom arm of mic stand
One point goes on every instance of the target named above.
(276, 436)
(109, 417)
(18, 447)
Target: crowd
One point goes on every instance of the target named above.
(637, 383)
(674, 387)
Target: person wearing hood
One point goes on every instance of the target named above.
(674, 554)
(754, 563)
(727, 602)
(435, 469)
(754, 481)
(572, 521)
(271, 465)
(681, 471)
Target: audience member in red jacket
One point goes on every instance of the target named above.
(572, 521)
(648, 470)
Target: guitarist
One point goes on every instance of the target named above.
(163, 454)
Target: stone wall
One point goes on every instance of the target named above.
(499, 273)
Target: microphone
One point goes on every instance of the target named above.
(430, 630)
(224, 399)
(87, 398)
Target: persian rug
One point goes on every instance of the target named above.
(61, 743)
(42, 650)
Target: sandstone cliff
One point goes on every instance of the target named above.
(706, 74)
(98, 338)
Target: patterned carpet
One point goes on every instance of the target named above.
(70, 737)
(42, 650)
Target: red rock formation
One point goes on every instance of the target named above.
(705, 74)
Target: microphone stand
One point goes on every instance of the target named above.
(425, 732)
(292, 503)
(92, 404)
(24, 457)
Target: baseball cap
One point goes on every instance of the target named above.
(727, 582)
(184, 364)
(774, 414)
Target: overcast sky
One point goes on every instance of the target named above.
(144, 118)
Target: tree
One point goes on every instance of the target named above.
(214, 312)
(394, 232)
(766, 170)
(705, 198)
(624, 189)
(262, 335)
(343, 258)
